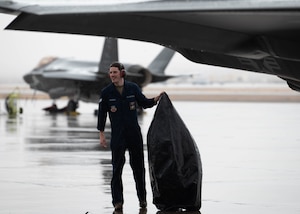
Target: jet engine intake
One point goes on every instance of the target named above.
(56, 93)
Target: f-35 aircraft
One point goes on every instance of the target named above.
(83, 80)
(256, 35)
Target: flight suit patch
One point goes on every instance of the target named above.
(132, 105)
(113, 108)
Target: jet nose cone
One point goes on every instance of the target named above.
(28, 78)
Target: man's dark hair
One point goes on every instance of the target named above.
(117, 65)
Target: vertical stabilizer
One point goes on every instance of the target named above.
(159, 64)
(109, 54)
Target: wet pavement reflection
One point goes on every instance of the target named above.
(54, 164)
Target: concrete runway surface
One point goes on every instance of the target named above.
(54, 164)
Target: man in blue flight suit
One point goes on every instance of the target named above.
(120, 100)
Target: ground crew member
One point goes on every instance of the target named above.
(121, 99)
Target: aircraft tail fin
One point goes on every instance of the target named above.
(109, 54)
(161, 61)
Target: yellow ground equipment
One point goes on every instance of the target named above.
(12, 103)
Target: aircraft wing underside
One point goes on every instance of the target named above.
(259, 36)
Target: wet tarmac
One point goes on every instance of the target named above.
(54, 164)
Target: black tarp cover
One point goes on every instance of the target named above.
(174, 161)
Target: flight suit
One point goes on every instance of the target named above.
(125, 134)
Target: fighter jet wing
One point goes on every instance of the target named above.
(256, 35)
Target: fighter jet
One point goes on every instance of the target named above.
(254, 35)
(83, 80)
